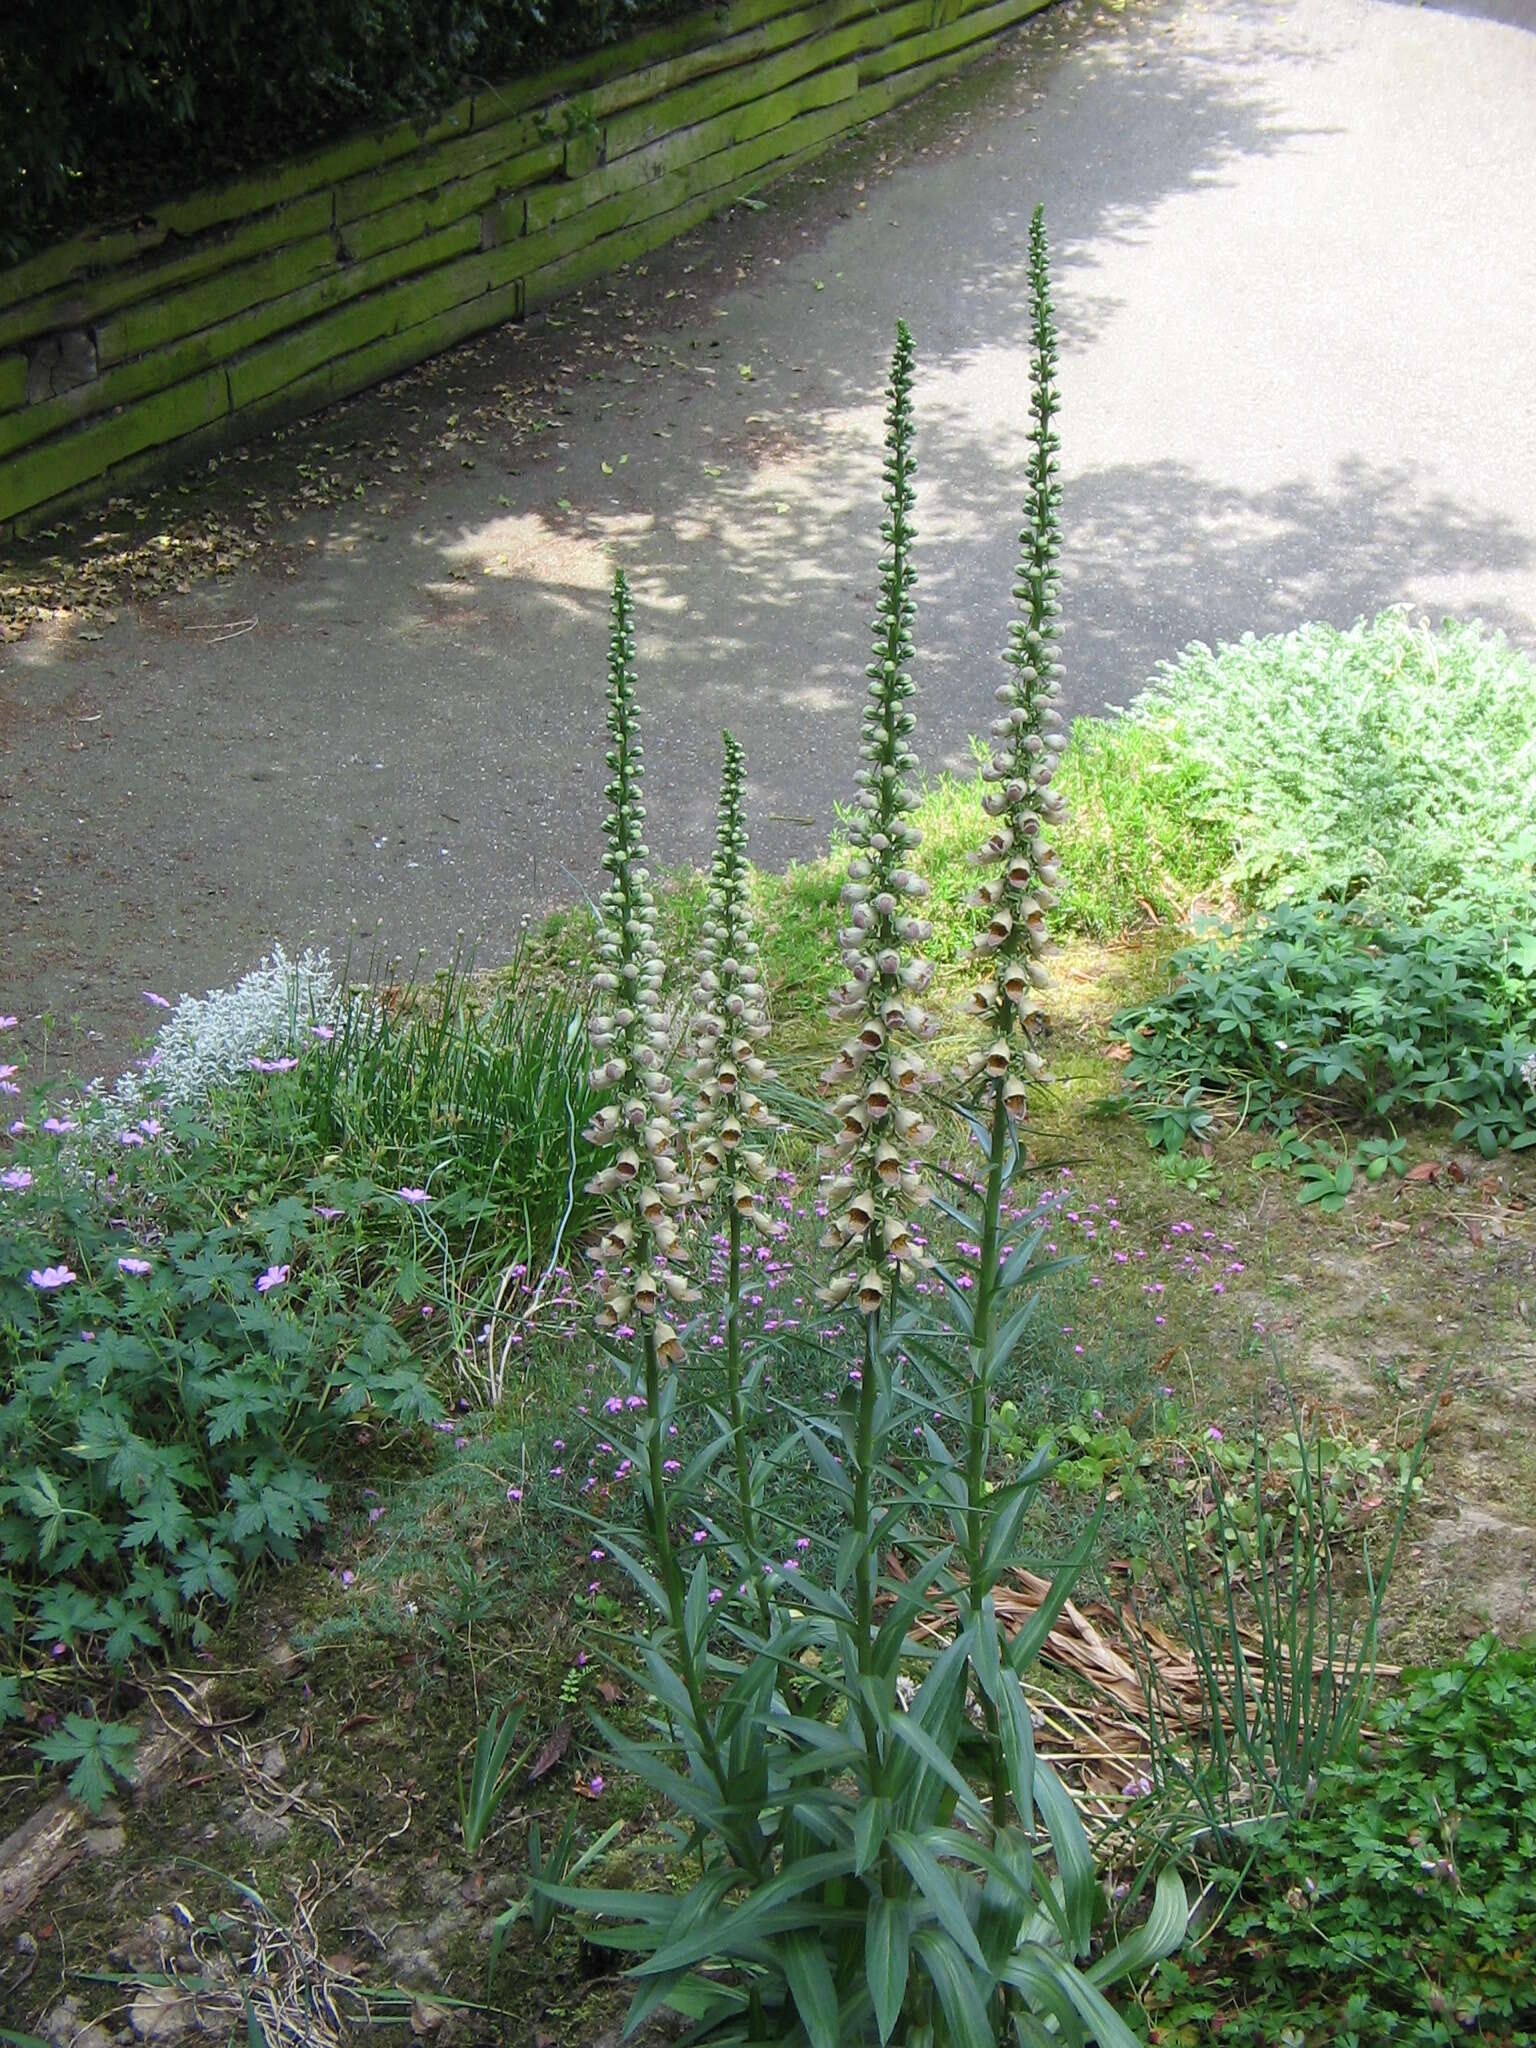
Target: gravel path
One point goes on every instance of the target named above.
(1296, 282)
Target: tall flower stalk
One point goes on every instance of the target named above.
(641, 1179)
(881, 1066)
(730, 1022)
(1020, 798)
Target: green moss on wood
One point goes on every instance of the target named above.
(160, 321)
(227, 338)
(463, 199)
(739, 143)
(325, 167)
(169, 266)
(293, 355)
(47, 472)
(749, 41)
(13, 381)
(528, 140)
(977, 25)
(711, 96)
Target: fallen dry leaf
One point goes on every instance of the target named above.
(555, 1748)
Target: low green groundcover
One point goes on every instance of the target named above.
(1402, 1907)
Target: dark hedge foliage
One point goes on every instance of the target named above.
(107, 105)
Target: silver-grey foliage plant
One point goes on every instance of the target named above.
(208, 1042)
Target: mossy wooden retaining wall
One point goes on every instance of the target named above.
(269, 297)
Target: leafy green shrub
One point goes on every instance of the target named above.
(1390, 761)
(172, 1397)
(1399, 1908)
(198, 1308)
(117, 101)
(1315, 1010)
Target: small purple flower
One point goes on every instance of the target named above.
(348, 1577)
(324, 1032)
(1213, 1435)
(16, 1178)
(17, 1127)
(58, 1125)
(7, 1023)
(514, 1494)
(415, 1196)
(50, 1277)
(595, 1785)
(283, 1066)
(330, 1215)
(7, 1069)
(374, 1514)
(159, 1002)
(137, 1268)
(274, 1276)
(151, 1126)
(130, 1138)
(9, 1088)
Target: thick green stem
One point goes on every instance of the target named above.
(979, 1428)
(666, 1557)
(739, 1423)
(866, 1561)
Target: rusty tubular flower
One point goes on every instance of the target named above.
(641, 1180)
(730, 1021)
(1027, 736)
(881, 1067)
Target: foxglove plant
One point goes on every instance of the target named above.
(1026, 738)
(730, 1023)
(852, 1884)
(641, 1179)
(878, 1182)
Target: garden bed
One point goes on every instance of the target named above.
(329, 1721)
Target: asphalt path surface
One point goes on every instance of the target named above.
(1295, 274)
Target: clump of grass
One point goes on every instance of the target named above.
(484, 1105)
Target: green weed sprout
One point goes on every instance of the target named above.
(490, 1776)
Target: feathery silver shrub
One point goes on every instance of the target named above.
(877, 1183)
(1027, 736)
(730, 1019)
(641, 1180)
(209, 1041)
